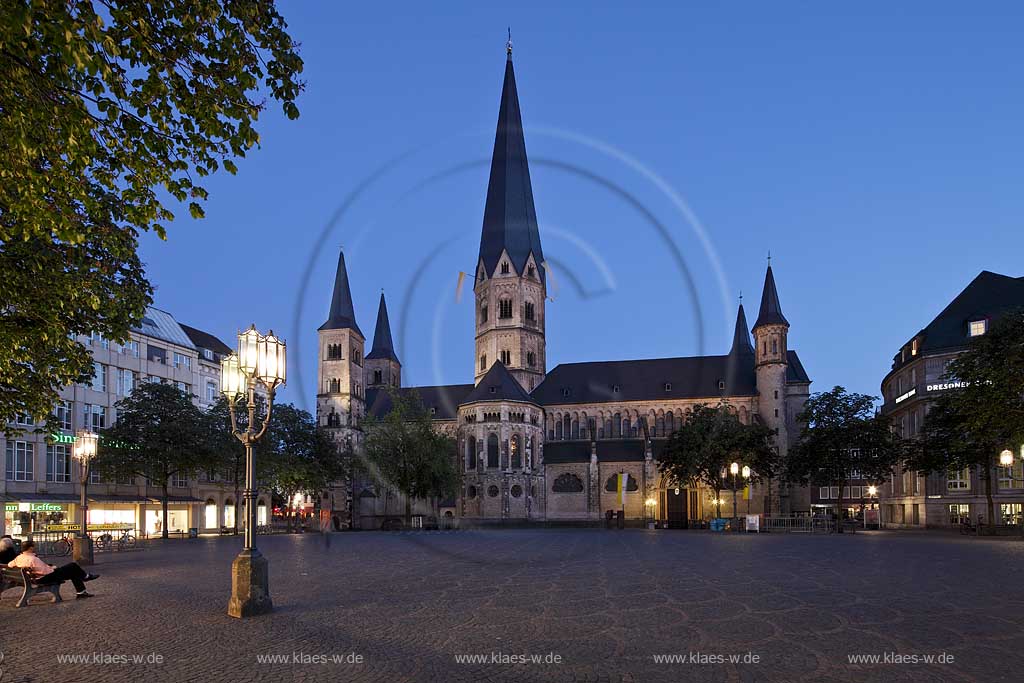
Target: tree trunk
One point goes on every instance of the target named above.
(988, 496)
(163, 508)
(768, 500)
(839, 507)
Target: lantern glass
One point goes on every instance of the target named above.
(746, 472)
(271, 360)
(85, 445)
(1006, 458)
(248, 353)
(232, 382)
(872, 490)
(734, 468)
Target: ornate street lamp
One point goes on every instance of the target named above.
(734, 469)
(84, 451)
(1006, 458)
(746, 477)
(260, 361)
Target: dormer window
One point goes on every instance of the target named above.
(504, 267)
(976, 328)
(566, 391)
(493, 390)
(721, 384)
(913, 348)
(530, 272)
(433, 410)
(668, 386)
(615, 388)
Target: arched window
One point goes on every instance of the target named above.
(210, 514)
(504, 267)
(505, 308)
(660, 428)
(558, 430)
(575, 429)
(607, 432)
(516, 452)
(592, 428)
(567, 483)
(492, 451)
(670, 423)
(378, 376)
(506, 357)
(471, 453)
(626, 431)
(528, 310)
(567, 427)
(483, 362)
(616, 426)
(335, 385)
(531, 358)
(483, 313)
(530, 271)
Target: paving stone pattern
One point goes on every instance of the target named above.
(604, 602)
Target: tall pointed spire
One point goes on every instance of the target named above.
(510, 219)
(382, 345)
(741, 336)
(771, 311)
(342, 315)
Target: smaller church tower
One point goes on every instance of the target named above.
(772, 362)
(383, 369)
(340, 403)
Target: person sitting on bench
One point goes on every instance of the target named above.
(7, 551)
(45, 574)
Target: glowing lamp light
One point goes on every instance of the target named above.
(271, 368)
(734, 469)
(232, 381)
(872, 490)
(85, 445)
(650, 502)
(1006, 458)
(248, 350)
(746, 472)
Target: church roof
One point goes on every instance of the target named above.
(646, 380)
(510, 219)
(382, 345)
(342, 315)
(795, 372)
(442, 400)
(771, 310)
(741, 336)
(498, 385)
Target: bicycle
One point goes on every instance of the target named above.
(64, 545)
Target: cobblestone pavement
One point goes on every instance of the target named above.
(604, 602)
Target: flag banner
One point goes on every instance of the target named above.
(622, 486)
(746, 492)
(458, 287)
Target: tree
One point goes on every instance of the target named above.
(230, 460)
(300, 456)
(710, 440)
(159, 434)
(841, 439)
(106, 105)
(405, 452)
(970, 426)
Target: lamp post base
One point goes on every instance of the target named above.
(81, 550)
(250, 585)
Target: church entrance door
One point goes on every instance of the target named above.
(675, 508)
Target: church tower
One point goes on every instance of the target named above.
(339, 401)
(510, 282)
(383, 369)
(772, 362)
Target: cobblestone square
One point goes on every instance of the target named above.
(589, 605)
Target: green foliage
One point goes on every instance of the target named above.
(105, 105)
(710, 440)
(159, 433)
(970, 426)
(841, 437)
(406, 453)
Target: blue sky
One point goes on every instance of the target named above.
(874, 150)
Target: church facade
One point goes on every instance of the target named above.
(540, 445)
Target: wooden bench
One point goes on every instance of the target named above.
(13, 577)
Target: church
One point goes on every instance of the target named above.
(539, 445)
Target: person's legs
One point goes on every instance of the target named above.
(69, 572)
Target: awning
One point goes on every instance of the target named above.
(16, 497)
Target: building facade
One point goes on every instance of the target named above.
(918, 376)
(540, 445)
(41, 483)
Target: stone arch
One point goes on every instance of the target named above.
(567, 483)
(471, 453)
(492, 450)
(516, 452)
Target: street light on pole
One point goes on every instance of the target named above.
(84, 451)
(746, 484)
(734, 469)
(260, 360)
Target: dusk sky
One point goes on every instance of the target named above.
(875, 151)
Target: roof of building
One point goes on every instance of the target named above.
(510, 219)
(619, 450)
(795, 373)
(383, 347)
(771, 310)
(558, 452)
(342, 314)
(442, 401)
(162, 325)
(741, 336)
(205, 340)
(988, 296)
(648, 379)
(498, 384)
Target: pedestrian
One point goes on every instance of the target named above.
(7, 550)
(46, 574)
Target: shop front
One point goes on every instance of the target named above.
(24, 517)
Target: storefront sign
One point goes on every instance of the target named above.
(10, 507)
(62, 527)
(904, 397)
(944, 386)
(47, 507)
(111, 527)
